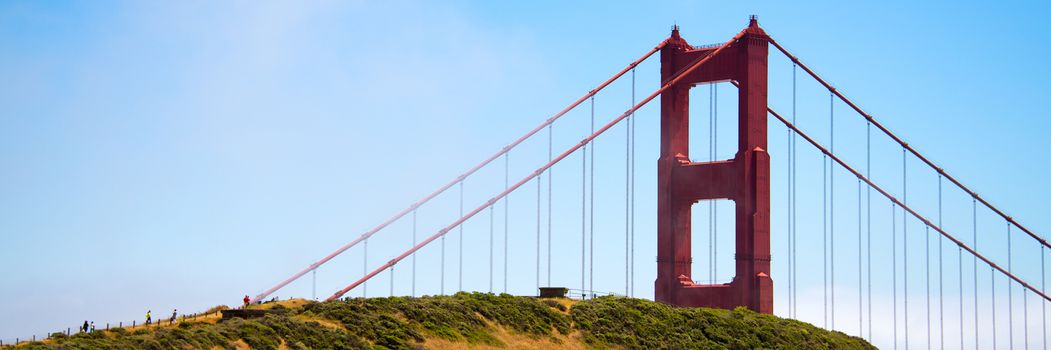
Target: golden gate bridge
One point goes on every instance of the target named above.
(965, 314)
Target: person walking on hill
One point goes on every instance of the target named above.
(247, 300)
(92, 327)
(84, 328)
(172, 320)
(148, 319)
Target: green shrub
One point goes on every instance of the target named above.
(407, 323)
(640, 324)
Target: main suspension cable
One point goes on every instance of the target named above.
(459, 179)
(912, 212)
(939, 170)
(692, 67)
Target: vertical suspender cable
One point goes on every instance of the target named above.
(1010, 296)
(459, 285)
(832, 209)
(550, 183)
(927, 255)
(491, 248)
(365, 269)
(992, 289)
(1043, 303)
(974, 258)
(1025, 318)
(711, 204)
(894, 265)
(788, 221)
(538, 191)
(715, 204)
(861, 276)
(441, 278)
(313, 290)
(414, 254)
(711, 157)
(583, 215)
(959, 265)
(824, 235)
(941, 286)
(507, 208)
(627, 199)
(632, 215)
(868, 217)
(795, 198)
(905, 241)
(391, 280)
(591, 207)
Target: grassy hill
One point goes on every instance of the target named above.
(473, 321)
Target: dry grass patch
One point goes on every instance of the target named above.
(330, 324)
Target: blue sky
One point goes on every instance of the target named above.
(180, 155)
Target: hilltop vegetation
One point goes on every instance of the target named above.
(473, 320)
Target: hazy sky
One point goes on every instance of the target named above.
(160, 155)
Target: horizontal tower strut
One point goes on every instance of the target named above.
(906, 145)
(463, 176)
(903, 206)
(543, 168)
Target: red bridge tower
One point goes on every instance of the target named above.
(745, 179)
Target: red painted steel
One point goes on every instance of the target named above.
(899, 203)
(463, 176)
(745, 179)
(906, 145)
(672, 82)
